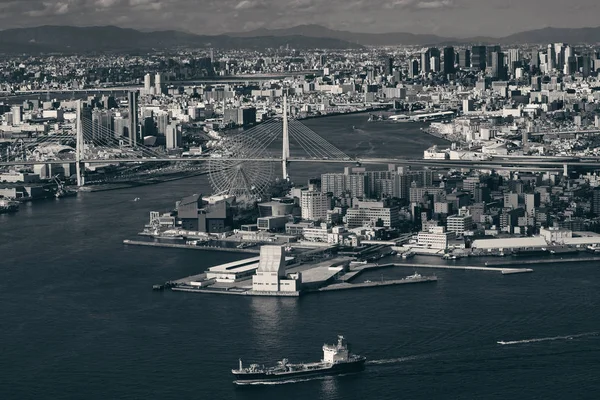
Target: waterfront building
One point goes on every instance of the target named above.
(435, 238)
(353, 181)
(459, 224)
(210, 215)
(270, 274)
(555, 234)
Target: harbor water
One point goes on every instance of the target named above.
(80, 321)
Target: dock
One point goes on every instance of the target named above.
(355, 271)
(364, 285)
(543, 261)
(190, 247)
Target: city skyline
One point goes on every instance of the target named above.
(440, 17)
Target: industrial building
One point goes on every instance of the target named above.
(270, 275)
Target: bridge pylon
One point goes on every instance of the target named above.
(286, 141)
(79, 147)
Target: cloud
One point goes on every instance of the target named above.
(249, 4)
(419, 5)
(106, 3)
(434, 4)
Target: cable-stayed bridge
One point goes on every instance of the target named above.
(241, 164)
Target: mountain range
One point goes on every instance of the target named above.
(44, 39)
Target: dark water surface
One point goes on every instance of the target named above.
(79, 319)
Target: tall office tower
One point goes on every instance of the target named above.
(389, 66)
(322, 60)
(498, 68)
(586, 65)
(435, 64)
(550, 58)
(158, 84)
(464, 58)
(426, 57)
(534, 64)
(559, 55)
(489, 51)
(514, 59)
(102, 126)
(478, 58)
(147, 83)
(413, 68)
(449, 57)
(212, 55)
(425, 62)
(132, 102)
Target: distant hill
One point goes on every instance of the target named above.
(111, 38)
(546, 35)
(45, 39)
(365, 39)
(555, 35)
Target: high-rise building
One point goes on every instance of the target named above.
(322, 60)
(173, 136)
(498, 67)
(449, 57)
(478, 57)
(532, 201)
(17, 115)
(489, 51)
(102, 126)
(413, 68)
(534, 64)
(550, 58)
(314, 205)
(132, 102)
(158, 84)
(389, 66)
(514, 59)
(464, 58)
(426, 57)
(148, 84)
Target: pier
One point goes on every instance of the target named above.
(355, 271)
(191, 247)
(364, 285)
(543, 261)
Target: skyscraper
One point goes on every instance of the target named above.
(498, 68)
(413, 68)
(550, 58)
(478, 58)
(489, 51)
(534, 65)
(389, 66)
(426, 57)
(464, 58)
(132, 101)
(449, 57)
(148, 83)
(158, 85)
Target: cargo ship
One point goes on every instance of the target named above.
(337, 359)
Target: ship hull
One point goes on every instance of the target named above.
(336, 369)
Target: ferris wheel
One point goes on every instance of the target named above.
(237, 171)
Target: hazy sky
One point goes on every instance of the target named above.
(443, 17)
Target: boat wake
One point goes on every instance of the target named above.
(547, 339)
(395, 360)
(287, 381)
